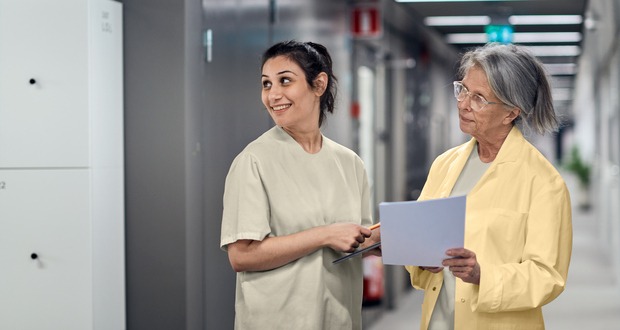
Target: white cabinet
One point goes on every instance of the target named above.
(45, 249)
(61, 165)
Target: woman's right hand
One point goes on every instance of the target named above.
(345, 237)
(434, 270)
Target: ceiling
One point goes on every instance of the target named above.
(562, 66)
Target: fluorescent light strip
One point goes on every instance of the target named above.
(456, 20)
(546, 37)
(514, 20)
(527, 37)
(466, 38)
(545, 19)
(555, 50)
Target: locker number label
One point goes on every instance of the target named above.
(106, 25)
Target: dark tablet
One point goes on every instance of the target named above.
(374, 246)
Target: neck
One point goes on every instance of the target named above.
(488, 148)
(311, 141)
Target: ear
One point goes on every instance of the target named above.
(320, 83)
(512, 115)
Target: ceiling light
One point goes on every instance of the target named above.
(523, 37)
(555, 50)
(527, 37)
(466, 38)
(513, 20)
(545, 19)
(456, 20)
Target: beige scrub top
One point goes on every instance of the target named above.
(275, 188)
(518, 222)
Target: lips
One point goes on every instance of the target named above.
(465, 119)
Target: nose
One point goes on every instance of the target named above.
(274, 93)
(465, 104)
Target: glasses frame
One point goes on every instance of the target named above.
(470, 95)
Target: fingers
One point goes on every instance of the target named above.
(432, 269)
(460, 252)
(347, 237)
(365, 231)
(463, 265)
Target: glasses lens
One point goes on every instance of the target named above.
(477, 102)
(459, 91)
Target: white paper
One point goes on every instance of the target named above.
(419, 232)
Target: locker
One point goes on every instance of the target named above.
(45, 249)
(52, 55)
(61, 165)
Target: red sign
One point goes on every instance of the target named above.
(366, 22)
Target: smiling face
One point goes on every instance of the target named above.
(291, 102)
(493, 122)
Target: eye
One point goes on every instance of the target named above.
(480, 99)
(285, 80)
(266, 84)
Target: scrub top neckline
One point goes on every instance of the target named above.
(297, 147)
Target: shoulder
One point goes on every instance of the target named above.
(449, 156)
(260, 149)
(265, 146)
(340, 150)
(536, 162)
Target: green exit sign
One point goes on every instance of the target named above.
(499, 33)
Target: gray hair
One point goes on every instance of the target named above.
(519, 80)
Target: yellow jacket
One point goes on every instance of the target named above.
(518, 222)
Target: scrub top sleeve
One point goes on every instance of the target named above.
(246, 204)
(366, 207)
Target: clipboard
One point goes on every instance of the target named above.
(353, 254)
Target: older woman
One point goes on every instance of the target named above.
(518, 234)
(294, 201)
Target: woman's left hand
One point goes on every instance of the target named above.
(375, 237)
(463, 264)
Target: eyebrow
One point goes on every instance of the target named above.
(477, 93)
(280, 73)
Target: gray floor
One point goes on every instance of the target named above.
(591, 300)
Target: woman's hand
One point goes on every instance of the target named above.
(375, 237)
(345, 237)
(463, 265)
(433, 270)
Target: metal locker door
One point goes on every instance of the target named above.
(43, 83)
(45, 250)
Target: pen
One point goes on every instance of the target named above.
(376, 225)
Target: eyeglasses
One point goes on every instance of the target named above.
(476, 101)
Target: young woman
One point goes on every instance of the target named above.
(295, 201)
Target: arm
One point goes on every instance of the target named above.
(273, 252)
(541, 274)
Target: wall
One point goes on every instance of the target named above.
(597, 119)
(163, 165)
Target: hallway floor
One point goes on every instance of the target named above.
(591, 300)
